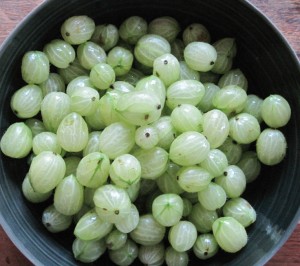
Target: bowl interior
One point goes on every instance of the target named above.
(263, 55)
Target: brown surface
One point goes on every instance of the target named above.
(285, 14)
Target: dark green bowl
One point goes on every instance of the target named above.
(263, 55)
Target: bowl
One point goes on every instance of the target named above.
(263, 55)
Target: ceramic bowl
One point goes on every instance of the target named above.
(263, 55)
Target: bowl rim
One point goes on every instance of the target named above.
(5, 226)
(280, 34)
(292, 225)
